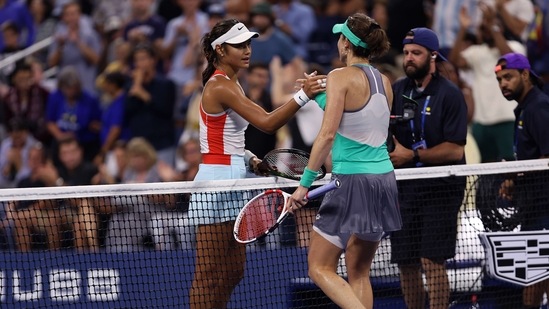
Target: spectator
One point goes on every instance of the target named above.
(297, 20)
(271, 42)
(112, 171)
(46, 216)
(435, 137)
(14, 153)
(108, 11)
(518, 82)
(176, 221)
(113, 127)
(75, 170)
(493, 118)
(538, 42)
(120, 63)
(27, 100)
(145, 27)
(73, 112)
(322, 44)
(515, 17)
(216, 13)
(44, 23)
(182, 47)
(76, 44)
(257, 82)
(446, 21)
(10, 34)
(17, 12)
(150, 103)
(131, 219)
(111, 40)
(303, 128)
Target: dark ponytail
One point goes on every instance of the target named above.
(369, 31)
(209, 53)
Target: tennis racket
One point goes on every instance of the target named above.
(287, 163)
(264, 213)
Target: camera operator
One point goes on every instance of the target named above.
(434, 135)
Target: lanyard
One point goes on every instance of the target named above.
(518, 123)
(423, 115)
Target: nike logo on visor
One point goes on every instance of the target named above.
(240, 28)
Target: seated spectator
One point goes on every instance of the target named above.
(119, 64)
(76, 44)
(112, 170)
(271, 41)
(130, 221)
(76, 171)
(145, 27)
(18, 13)
(73, 112)
(44, 23)
(113, 127)
(181, 46)
(48, 216)
(297, 20)
(257, 89)
(10, 34)
(26, 99)
(173, 228)
(14, 153)
(150, 103)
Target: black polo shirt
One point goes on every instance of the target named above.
(444, 119)
(532, 117)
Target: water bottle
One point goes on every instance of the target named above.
(474, 303)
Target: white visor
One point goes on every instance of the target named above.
(238, 34)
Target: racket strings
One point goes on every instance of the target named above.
(260, 215)
(292, 164)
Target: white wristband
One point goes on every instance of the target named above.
(248, 155)
(301, 98)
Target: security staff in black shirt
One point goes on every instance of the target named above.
(530, 191)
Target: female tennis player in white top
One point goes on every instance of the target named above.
(225, 112)
(357, 105)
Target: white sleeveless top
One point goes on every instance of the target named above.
(221, 134)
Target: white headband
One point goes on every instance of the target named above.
(238, 34)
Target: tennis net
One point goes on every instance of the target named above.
(133, 245)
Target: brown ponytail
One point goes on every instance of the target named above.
(369, 31)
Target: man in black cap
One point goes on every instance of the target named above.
(529, 190)
(435, 136)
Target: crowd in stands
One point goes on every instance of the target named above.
(124, 104)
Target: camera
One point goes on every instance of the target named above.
(409, 108)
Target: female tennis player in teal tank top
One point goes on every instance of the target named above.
(353, 218)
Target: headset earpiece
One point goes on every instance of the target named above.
(434, 56)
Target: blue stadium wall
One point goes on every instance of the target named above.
(153, 279)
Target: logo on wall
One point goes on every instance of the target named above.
(517, 257)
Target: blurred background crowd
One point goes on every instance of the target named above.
(113, 95)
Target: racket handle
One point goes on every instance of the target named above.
(334, 184)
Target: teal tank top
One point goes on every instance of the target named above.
(360, 142)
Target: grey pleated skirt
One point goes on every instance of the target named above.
(365, 203)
